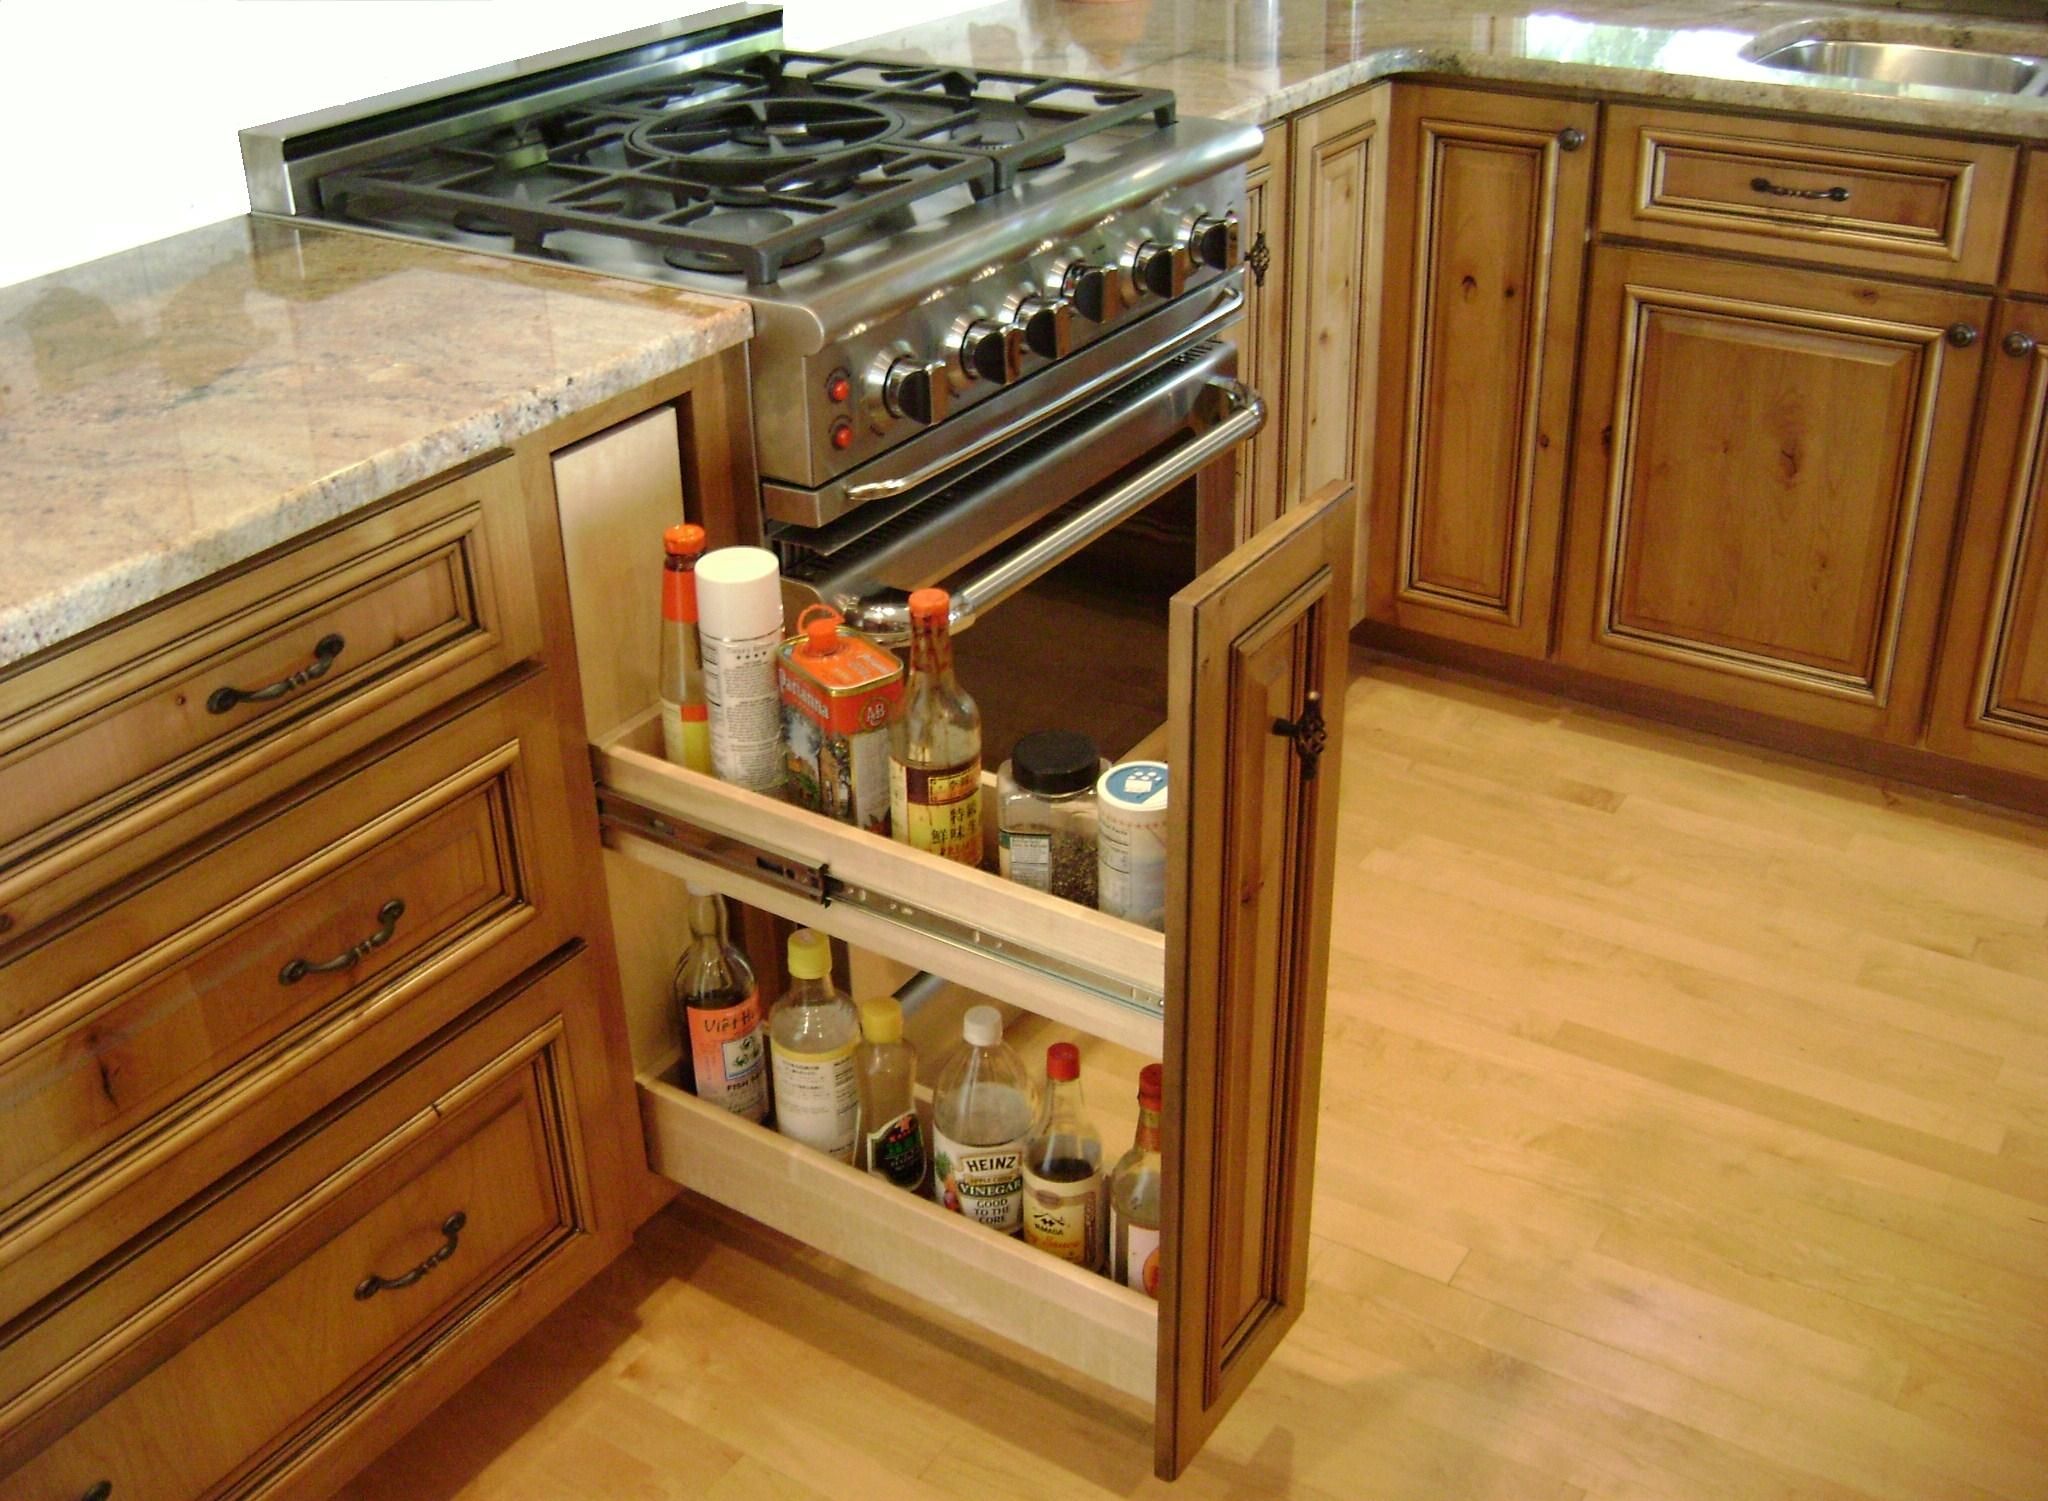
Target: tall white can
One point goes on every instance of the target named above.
(1130, 849)
(739, 628)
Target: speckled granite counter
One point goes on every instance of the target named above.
(174, 409)
(1262, 59)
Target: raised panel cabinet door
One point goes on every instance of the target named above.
(1483, 295)
(1257, 671)
(1262, 337)
(1768, 468)
(1991, 690)
(1336, 211)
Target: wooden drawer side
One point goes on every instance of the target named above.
(311, 1344)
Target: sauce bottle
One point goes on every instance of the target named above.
(935, 743)
(891, 1136)
(811, 1035)
(720, 1014)
(1063, 1168)
(1135, 1192)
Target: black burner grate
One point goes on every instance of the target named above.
(745, 169)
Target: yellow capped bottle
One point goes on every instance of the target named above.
(812, 1033)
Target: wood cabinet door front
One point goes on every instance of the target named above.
(1257, 676)
(1262, 337)
(1991, 695)
(1484, 297)
(1766, 480)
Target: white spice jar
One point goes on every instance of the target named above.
(739, 628)
(1130, 851)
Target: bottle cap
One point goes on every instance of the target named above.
(1135, 787)
(982, 1026)
(739, 593)
(810, 954)
(820, 627)
(1063, 1061)
(1151, 1086)
(881, 1019)
(930, 605)
(686, 540)
(1055, 762)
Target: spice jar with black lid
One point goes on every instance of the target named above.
(1045, 800)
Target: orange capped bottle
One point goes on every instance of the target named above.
(935, 743)
(685, 728)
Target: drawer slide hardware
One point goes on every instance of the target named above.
(818, 884)
(451, 1228)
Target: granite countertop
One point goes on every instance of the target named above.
(1258, 60)
(177, 408)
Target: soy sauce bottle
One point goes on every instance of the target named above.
(1063, 1202)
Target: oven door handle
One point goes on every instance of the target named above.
(889, 618)
(1227, 303)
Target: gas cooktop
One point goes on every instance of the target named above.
(739, 170)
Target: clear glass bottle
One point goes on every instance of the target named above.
(1135, 1191)
(1045, 814)
(719, 1014)
(891, 1136)
(812, 1033)
(1063, 1209)
(981, 1118)
(685, 727)
(935, 743)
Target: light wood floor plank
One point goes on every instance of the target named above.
(1684, 1137)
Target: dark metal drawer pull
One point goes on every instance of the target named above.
(99, 1491)
(1778, 190)
(373, 1284)
(325, 650)
(387, 919)
(1311, 736)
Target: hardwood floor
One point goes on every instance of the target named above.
(1684, 1135)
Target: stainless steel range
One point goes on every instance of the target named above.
(985, 302)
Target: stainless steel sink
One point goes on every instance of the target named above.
(1901, 62)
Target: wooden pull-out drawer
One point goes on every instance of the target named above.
(116, 751)
(220, 1358)
(189, 1022)
(1915, 205)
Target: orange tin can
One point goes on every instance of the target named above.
(840, 691)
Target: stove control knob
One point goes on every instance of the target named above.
(992, 351)
(1159, 269)
(1213, 242)
(1089, 289)
(916, 390)
(1047, 324)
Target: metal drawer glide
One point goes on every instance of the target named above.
(817, 883)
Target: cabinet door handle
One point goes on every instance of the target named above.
(373, 1284)
(1571, 138)
(1311, 736)
(1779, 190)
(1259, 257)
(387, 924)
(99, 1490)
(1962, 335)
(2018, 345)
(325, 650)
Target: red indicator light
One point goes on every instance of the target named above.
(842, 434)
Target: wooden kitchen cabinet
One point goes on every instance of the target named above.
(1262, 336)
(1229, 997)
(1475, 393)
(1767, 472)
(1336, 207)
(1991, 689)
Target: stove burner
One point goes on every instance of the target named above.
(746, 225)
(749, 141)
(996, 134)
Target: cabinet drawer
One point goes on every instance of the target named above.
(118, 750)
(190, 1020)
(1915, 205)
(360, 1250)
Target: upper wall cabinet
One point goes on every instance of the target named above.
(1765, 483)
(1482, 295)
(1991, 697)
(1336, 206)
(1874, 200)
